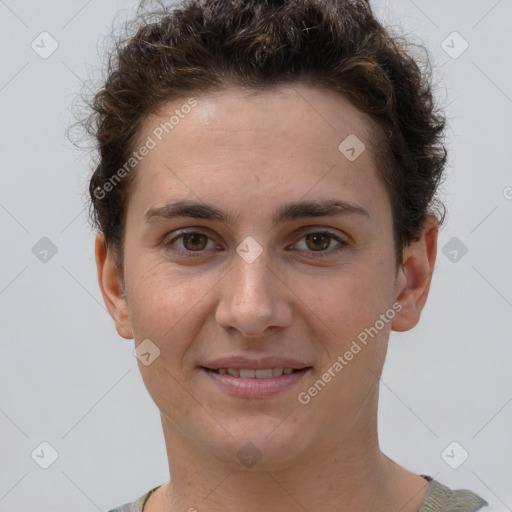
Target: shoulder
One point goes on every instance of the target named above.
(135, 506)
(441, 498)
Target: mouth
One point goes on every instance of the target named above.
(256, 383)
(248, 373)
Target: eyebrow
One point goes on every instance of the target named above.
(286, 212)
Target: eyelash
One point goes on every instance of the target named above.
(314, 254)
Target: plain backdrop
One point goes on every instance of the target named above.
(67, 378)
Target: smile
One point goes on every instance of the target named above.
(247, 373)
(256, 383)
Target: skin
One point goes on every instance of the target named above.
(248, 153)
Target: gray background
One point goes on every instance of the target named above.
(68, 379)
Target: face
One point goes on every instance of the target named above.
(254, 243)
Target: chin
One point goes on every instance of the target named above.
(262, 444)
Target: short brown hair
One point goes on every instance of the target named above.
(338, 45)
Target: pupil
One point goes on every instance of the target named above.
(315, 237)
(192, 237)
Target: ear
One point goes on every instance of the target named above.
(415, 275)
(111, 285)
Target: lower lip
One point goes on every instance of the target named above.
(254, 388)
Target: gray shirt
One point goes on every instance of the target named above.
(439, 498)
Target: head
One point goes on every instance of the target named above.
(301, 142)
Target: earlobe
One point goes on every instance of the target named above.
(111, 285)
(415, 276)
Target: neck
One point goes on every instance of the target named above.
(351, 474)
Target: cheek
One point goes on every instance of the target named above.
(346, 309)
(157, 300)
(166, 305)
(348, 300)
(162, 307)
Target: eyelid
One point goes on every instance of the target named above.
(342, 244)
(169, 241)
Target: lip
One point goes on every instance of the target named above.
(256, 388)
(254, 364)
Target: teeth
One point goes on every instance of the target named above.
(246, 373)
(264, 374)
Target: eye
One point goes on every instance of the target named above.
(192, 242)
(195, 243)
(317, 242)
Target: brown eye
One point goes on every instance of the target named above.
(194, 241)
(190, 243)
(318, 241)
(318, 244)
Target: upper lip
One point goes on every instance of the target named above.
(254, 364)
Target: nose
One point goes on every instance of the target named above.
(254, 298)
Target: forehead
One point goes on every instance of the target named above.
(293, 139)
(306, 113)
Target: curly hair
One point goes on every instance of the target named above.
(337, 45)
